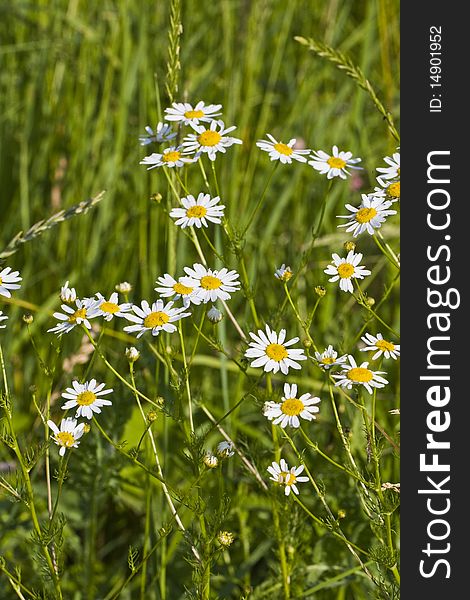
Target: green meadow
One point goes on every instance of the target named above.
(145, 506)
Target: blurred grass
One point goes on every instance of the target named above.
(78, 83)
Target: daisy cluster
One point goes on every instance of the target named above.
(207, 135)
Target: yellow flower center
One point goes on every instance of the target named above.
(109, 307)
(360, 375)
(86, 398)
(210, 283)
(156, 319)
(336, 163)
(398, 170)
(384, 345)
(1, 281)
(182, 289)
(345, 270)
(65, 439)
(194, 114)
(286, 275)
(283, 149)
(209, 138)
(196, 211)
(393, 190)
(276, 351)
(327, 360)
(172, 156)
(287, 478)
(292, 406)
(364, 215)
(78, 314)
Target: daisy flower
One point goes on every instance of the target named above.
(2, 318)
(87, 397)
(170, 157)
(110, 308)
(286, 153)
(185, 113)
(335, 164)
(68, 294)
(354, 375)
(391, 189)
(9, 281)
(369, 216)
(168, 287)
(329, 358)
(196, 211)
(280, 473)
(163, 133)
(377, 342)
(154, 318)
(68, 434)
(210, 284)
(225, 449)
(283, 273)
(346, 269)
(393, 169)
(75, 315)
(209, 141)
(271, 352)
(291, 408)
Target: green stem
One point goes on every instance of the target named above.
(186, 378)
(259, 203)
(299, 318)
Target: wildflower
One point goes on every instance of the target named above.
(154, 318)
(225, 449)
(163, 133)
(132, 354)
(214, 315)
(195, 212)
(186, 114)
(68, 294)
(334, 165)
(393, 169)
(9, 281)
(225, 538)
(280, 473)
(329, 358)
(345, 269)
(87, 397)
(391, 190)
(68, 434)
(362, 375)
(170, 157)
(168, 286)
(271, 352)
(75, 315)
(123, 288)
(209, 141)
(110, 308)
(210, 284)
(210, 460)
(291, 408)
(283, 152)
(283, 273)
(369, 216)
(3, 318)
(388, 349)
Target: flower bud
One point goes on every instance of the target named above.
(28, 318)
(132, 354)
(225, 538)
(320, 291)
(214, 315)
(349, 246)
(210, 460)
(123, 288)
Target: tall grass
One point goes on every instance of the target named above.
(79, 81)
